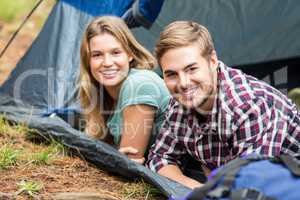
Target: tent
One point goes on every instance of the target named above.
(260, 37)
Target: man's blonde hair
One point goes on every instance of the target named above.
(181, 34)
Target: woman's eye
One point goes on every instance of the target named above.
(96, 55)
(117, 52)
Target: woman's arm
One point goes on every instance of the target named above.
(136, 131)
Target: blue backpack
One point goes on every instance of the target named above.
(252, 178)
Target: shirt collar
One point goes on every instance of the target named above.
(214, 112)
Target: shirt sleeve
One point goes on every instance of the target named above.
(167, 150)
(141, 90)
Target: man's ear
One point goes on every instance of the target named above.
(214, 58)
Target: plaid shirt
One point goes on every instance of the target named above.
(248, 116)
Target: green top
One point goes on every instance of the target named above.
(140, 87)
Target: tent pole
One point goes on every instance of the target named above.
(19, 28)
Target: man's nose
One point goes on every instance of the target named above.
(183, 81)
(107, 60)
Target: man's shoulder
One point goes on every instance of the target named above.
(237, 89)
(236, 82)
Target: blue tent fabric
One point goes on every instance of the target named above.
(150, 9)
(258, 36)
(146, 11)
(53, 59)
(244, 32)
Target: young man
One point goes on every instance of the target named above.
(217, 113)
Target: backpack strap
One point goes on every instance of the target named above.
(224, 190)
(249, 194)
(228, 180)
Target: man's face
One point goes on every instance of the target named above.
(190, 77)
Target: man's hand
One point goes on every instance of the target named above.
(173, 172)
(131, 152)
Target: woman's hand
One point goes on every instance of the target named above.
(131, 153)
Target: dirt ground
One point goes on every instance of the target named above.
(63, 173)
(68, 174)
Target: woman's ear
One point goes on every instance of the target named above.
(130, 58)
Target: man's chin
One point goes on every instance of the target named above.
(190, 104)
(186, 104)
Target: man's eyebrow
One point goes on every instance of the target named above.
(168, 71)
(190, 65)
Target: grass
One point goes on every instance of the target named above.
(53, 151)
(12, 130)
(294, 94)
(5, 129)
(8, 156)
(31, 188)
(41, 158)
(56, 148)
(10, 10)
(139, 189)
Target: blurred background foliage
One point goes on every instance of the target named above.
(12, 14)
(12, 10)
(16, 10)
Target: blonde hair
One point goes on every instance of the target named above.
(181, 34)
(91, 92)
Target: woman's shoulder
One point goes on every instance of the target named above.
(143, 74)
(141, 82)
(143, 79)
(143, 85)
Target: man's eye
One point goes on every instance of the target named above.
(192, 69)
(170, 75)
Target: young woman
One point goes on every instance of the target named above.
(123, 100)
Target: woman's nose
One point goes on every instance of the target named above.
(107, 60)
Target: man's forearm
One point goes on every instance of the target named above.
(173, 172)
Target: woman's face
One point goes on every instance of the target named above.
(109, 61)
